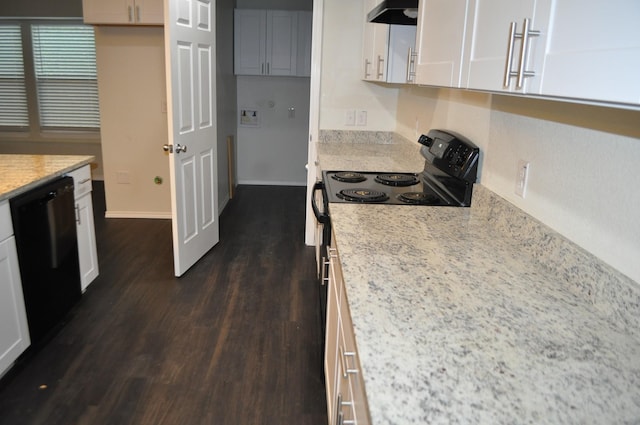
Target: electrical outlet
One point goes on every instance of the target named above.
(350, 117)
(361, 117)
(522, 176)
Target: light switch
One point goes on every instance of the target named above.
(350, 117)
(361, 117)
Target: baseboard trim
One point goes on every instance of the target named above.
(137, 214)
(270, 183)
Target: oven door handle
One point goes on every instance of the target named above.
(321, 217)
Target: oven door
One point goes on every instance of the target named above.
(323, 225)
(323, 241)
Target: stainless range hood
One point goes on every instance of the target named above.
(397, 12)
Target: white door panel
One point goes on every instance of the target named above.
(190, 56)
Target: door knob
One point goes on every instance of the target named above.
(180, 148)
(167, 148)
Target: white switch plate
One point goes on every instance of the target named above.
(350, 117)
(522, 177)
(361, 117)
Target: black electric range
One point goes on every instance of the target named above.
(450, 170)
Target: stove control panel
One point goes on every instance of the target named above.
(450, 152)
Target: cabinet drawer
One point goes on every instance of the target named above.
(81, 180)
(6, 228)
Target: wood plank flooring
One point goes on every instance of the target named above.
(234, 341)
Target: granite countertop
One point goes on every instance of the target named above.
(483, 315)
(19, 173)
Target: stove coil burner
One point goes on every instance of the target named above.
(419, 198)
(362, 195)
(349, 177)
(398, 180)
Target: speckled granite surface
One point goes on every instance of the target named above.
(19, 173)
(483, 315)
(362, 152)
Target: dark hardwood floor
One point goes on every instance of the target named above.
(234, 341)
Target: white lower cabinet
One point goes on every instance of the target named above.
(85, 226)
(346, 398)
(87, 249)
(14, 330)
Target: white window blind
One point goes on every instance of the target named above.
(13, 96)
(65, 72)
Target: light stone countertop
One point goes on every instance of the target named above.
(19, 173)
(403, 156)
(483, 315)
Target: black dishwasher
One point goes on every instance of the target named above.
(45, 230)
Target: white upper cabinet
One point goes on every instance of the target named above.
(400, 54)
(267, 42)
(495, 58)
(387, 53)
(440, 38)
(593, 52)
(554, 48)
(305, 25)
(123, 12)
(374, 51)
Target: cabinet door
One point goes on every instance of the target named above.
(402, 43)
(281, 42)
(374, 50)
(14, 332)
(488, 43)
(149, 12)
(305, 26)
(593, 52)
(249, 34)
(440, 38)
(331, 344)
(132, 12)
(108, 11)
(87, 249)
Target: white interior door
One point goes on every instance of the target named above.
(313, 166)
(191, 92)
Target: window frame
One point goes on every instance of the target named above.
(35, 131)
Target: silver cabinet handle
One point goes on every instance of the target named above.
(130, 14)
(167, 148)
(78, 214)
(83, 181)
(411, 65)
(268, 69)
(525, 35)
(367, 63)
(180, 148)
(350, 405)
(524, 52)
(325, 272)
(512, 40)
(137, 13)
(343, 362)
(339, 414)
(380, 74)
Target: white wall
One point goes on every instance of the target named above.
(51, 144)
(226, 97)
(341, 85)
(131, 84)
(583, 175)
(275, 152)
